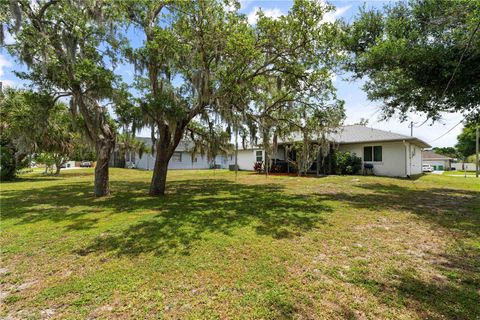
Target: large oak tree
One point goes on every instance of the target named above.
(63, 44)
(200, 62)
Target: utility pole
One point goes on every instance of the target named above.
(476, 151)
(236, 151)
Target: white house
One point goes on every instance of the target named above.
(390, 154)
(437, 161)
(181, 159)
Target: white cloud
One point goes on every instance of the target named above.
(8, 83)
(4, 63)
(274, 13)
(331, 16)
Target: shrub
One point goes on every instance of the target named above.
(258, 166)
(347, 163)
(7, 163)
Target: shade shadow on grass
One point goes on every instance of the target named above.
(176, 221)
(193, 209)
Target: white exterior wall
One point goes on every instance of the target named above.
(415, 159)
(70, 164)
(247, 158)
(469, 166)
(394, 158)
(437, 163)
(147, 162)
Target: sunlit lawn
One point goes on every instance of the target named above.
(271, 248)
(459, 172)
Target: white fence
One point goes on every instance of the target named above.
(464, 166)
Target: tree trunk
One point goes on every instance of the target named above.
(102, 186)
(58, 163)
(101, 133)
(159, 177)
(165, 146)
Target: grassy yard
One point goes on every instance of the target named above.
(459, 172)
(276, 248)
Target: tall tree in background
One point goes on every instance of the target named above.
(35, 123)
(466, 140)
(446, 151)
(420, 56)
(60, 43)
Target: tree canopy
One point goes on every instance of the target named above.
(466, 140)
(33, 123)
(63, 44)
(421, 56)
(202, 66)
(202, 72)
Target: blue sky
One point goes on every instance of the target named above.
(356, 102)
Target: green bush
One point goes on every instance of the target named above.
(7, 163)
(347, 163)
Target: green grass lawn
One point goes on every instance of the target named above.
(458, 172)
(273, 248)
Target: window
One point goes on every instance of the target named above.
(367, 154)
(377, 153)
(372, 154)
(177, 157)
(132, 156)
(259, 155)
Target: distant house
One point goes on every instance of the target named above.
(390, 154)
(437, 161)
(181, 159)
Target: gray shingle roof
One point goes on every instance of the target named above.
(346, 135)
(430, 155)
(361, 134)
(182, 146)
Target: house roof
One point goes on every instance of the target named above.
(182, 146)
(361, 134)
(350, 134)
(430, 155)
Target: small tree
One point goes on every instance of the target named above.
(128, 144)
(46, 159)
